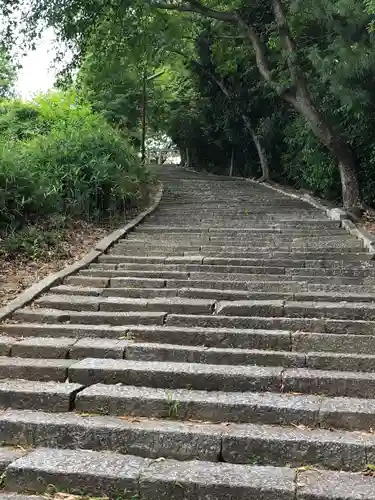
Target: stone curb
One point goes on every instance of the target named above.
(102, 246)
(332, 212)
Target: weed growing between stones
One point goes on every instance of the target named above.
(173, 406)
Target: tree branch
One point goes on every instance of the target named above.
(197, 7)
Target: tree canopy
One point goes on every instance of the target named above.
(269, 88)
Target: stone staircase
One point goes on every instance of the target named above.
(223, 350)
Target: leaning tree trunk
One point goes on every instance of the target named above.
(263, 160)
(336, 145)
(348, 174)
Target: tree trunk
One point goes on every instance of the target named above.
(231, 166)
(262, 158)
(337, 146)
(260, 150)
(187, 158)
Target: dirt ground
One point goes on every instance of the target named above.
(16, 275)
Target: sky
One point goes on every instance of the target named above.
(37, 74)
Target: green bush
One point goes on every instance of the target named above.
(58, 157)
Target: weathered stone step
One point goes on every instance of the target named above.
(225, 356)
(34, 369)
(334, 343)
(347, 254)
(244, 245)
(213, 294)
(199, 267)
(231, 443)
(293, 309)
(234, 261)
(239, 407)
(98, 473)
(209, 337)
(8, 455)
(169, 305)
(275, 228)
(105, 474)
(35, 395)
(260, 240)
(203, 276)
(176, 375)
(316, 255)
(65, 347)
(89, 317)
(317, 325)
(161, 348)
(266, 222)
(137, 293)
(353, 271)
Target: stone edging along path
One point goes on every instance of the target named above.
(34, 291)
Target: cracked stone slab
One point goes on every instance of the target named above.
(98, 348)
(43, 347)
(34, 395)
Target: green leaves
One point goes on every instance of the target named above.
(57, 156)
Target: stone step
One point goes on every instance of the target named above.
(66, 347)
(209, 337)
(248, 223)
(199, 267)
(242, 252)
(176, 375)
(230, 443)
(34, 369)
(122, 304)
(159, 348)
(314, 325)
(245, 246)
(318, 255)
(9, 454)
(334, 343)
(234, 261)
(258, 241)
(318, 325)
(34, 395)
(312, 411)
(276, 228)
(213, 294)
(352, 271)
(293, 309)
(42, 315)
(105, 473)
(203, 276)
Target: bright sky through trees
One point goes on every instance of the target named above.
(37, 73)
